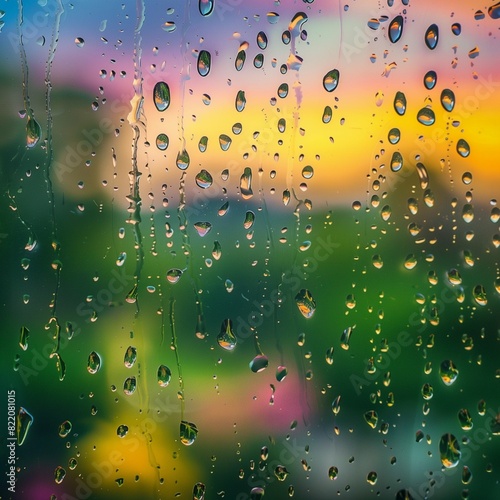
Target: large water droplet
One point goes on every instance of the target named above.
(400, 103)
(23, 424)
(182, 160)
(396, 29)
(188, 433)
(432, 36)
(241, 101)
(129, 386)
(262, 40)
(246, 184)
(448, 372)
(164, 375)
(203, 179)
(65, 428)
(305, 303)
(202, 227)
(23, 338)
(199, 491)
(174, 275)
(130, 357)
(426, 116)
(206, 7)
(204, 62)
(448, 99)
(161, 95)
(396, 161)
(226, 338)
(463, 148)
(259, 363)
(449, 450)
(225, 142)
(33, 132)
(94, 363)
(494, 11)
(331, 80)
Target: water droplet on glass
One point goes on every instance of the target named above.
(327, 114)
(188, 433)
(371, 418)
(204, 62)
(426, 116)
(281, 373)
(465, 419)
(432, 36)
(305, 303)
(258, 61)
(202, 228)
(463, 148)
(224, 142)
(94, 363)
(423, 176)
(182, 160)
(203, 179)
(331, 80)
(494, 11)
(336, 405)
(246, 184)
(199, 488)
(449, 450)
(396, 29)
(23, 424)
(283, 90)
(130, 357)
(161, 96)
(448, 372)
(272, 17)
(468, 213)
(262, 40)
(33, 132)
(249, 219)
(65, 428)
(206, 7)
(479, 295)
(466, 475)
(333, 473)
(163, 375)
(400, 103)
(371, 478)
(240, 101)
(122, 430)
(346, 337)
(456, 29)
(226, 338)
(174, 275)
(59, 474)
(430, 80)
(240, 60)
(162, 142)
(23, 338)
(259, 363)
(396, 161)
(448, 99)
(228, 285)
(129, 386)
(280, 472)
(79, 41)
(394, 135)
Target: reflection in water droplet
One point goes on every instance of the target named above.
(422, 175)
(203, 179)
(199, 491)
(23, 423)
(162, 142)
(161, 95)
(59, 474)
(33, 132)
(283, 90)
(65, 428)
(430, 80)
(94, 363)
(249, 219)
(346, 338)
(188, 433)
(448, 372)
(371, 418)
(371, 478)
(23, 338)
(246, 184)
(204, 62)
(130, 357)
(463, 148)
(305, 303)
(400, 103)
(257, 493)
(174, 275)
(465, 419)
(182, 160)
(129, 386)
(206, 7)
(280, 472)
(394, 135)
(396, 29)
(426, 116)
(202, 227)
(281, 373)
(432, 36)
(396, 161)
(262, 40)
(333, 473)
(331, 80)
(327, 114)
(448, 99)
(456, 29)
(259, 363)
(240, 101)
(240, 60)
(122, 430)
(466, 475)
(494, 11)
(226, 338)
(449, 450)
(479, 294)
(163, 375)
(224, 142)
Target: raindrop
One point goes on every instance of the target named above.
(448, 372)
(162, 142)
(400, 103)
(249, 219)
(258, 61)
(262, 40)
(479, 295)
(432, 36)
(226, 338)
(307, 172)
(204, 62)
(430, 80)
(241, 101)
(463, 148)
(182, 160)
(94, 363)
(188, 433)
(466, 475)
(283, 90)
(494, 11)
(23, 423)
(371, 418)
(202, 228)
(259, 363)
(331, 80)
(448, 99)
(130, 357)
(456, 29)
(203, 179)
(396, 29)
(305, 303)
(281, 373)
(199, 489)
(23, 338)
(346, 338)
(426, 116)
(422, 175)
(59, 474)
(122, 430)
(169, 27)
(465, 419)
(240, 60)
(396, 161)
(246, 184)
(164, 375)
(33, 132)
(371, 478)
(161, 96)
(225, 142)
(327, 114)
(65, 428)
(449, 450)
(203, 144)
(257, 493)
(79, 41)
(206, 7)
(129, 386)
(333, 473)
(174, 275)
(272, 17)
(394, 135)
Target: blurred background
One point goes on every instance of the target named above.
(250, 248)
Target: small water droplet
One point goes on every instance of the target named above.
(23, 424)
(448, 99)
(202, 228)
(130, 357)
(204, 63)
(129, 386)
(163, 375)
(259, 363)
(240, 101)
(203, 179)
(448, 372)
(174, 275)
(400, 103)
(94, 363)
(331, 80)
(305, 303)
(396, 29)
(432, 36)
(463, 148)
(79, 41)
(449, 450)
(65, 428)
(59, 474)
(188, 433)
(161, 96)
(226, 338)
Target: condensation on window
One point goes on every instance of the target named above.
(250, 249)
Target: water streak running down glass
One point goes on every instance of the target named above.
(251, 249)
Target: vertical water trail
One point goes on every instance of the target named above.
(174, 347)
(183, 160)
